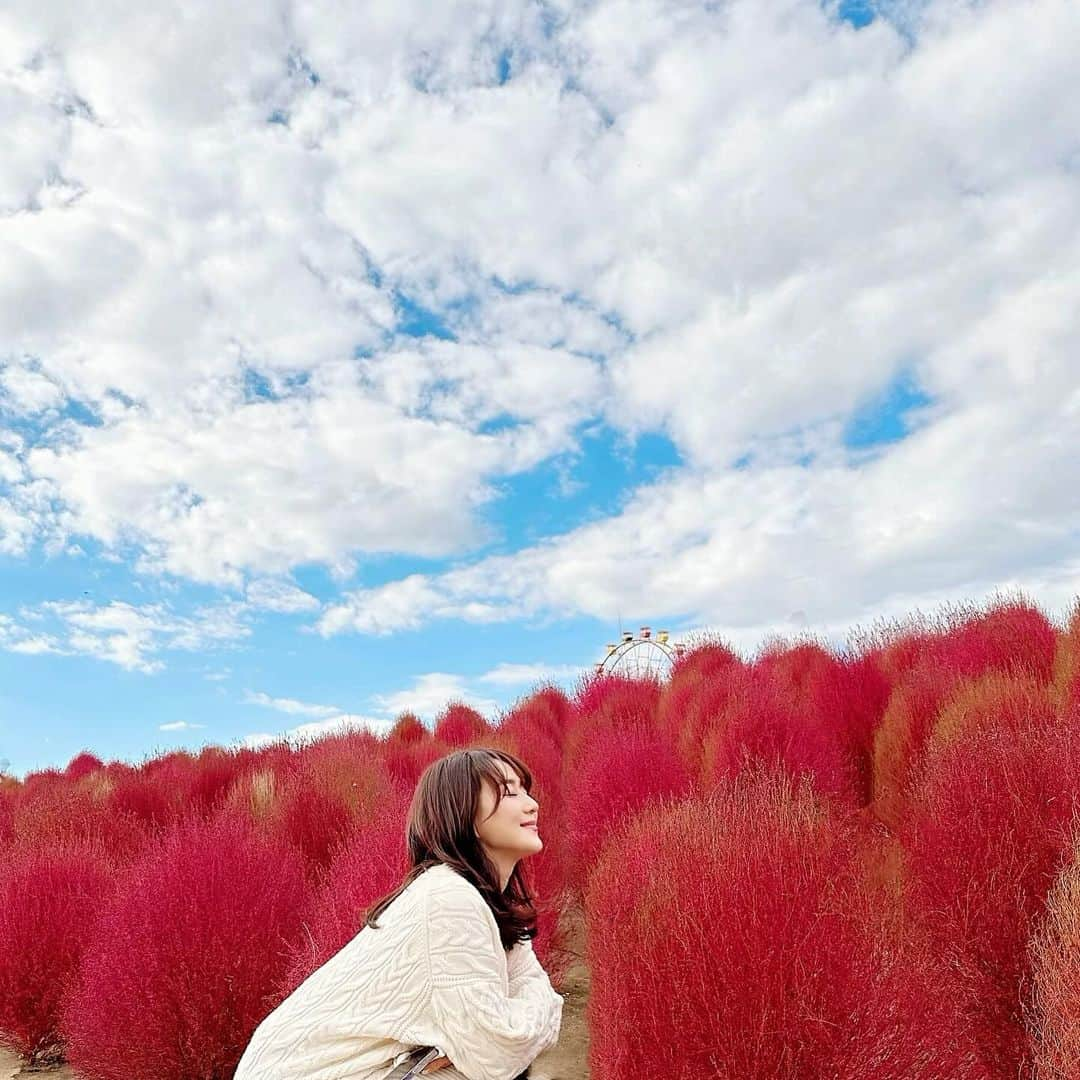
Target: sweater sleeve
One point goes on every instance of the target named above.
(524, 970)
(486, 1033)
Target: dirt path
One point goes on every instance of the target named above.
(11, 1066)
(569, 1058)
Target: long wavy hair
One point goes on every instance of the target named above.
(441, 828)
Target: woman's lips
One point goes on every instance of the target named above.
(530, 825)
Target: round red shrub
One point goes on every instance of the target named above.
(994, 702)
(614, 773)
(331, 788)
(841, 699)
(1010, 636)
(1056, 954)
(618, 699)
(1067, 663)
(82, 765)
(703, 663)
(8, 795)
(459, 724)
(405, 761)
(216, 771)
(729, 937)
(909, 718)
(408, 729)
(185, 960)
(76, 813)
(155, 799)
(547, 711)
(370, 863)
(986, 834)
(48, 898)
(696, 698)
(764, 726)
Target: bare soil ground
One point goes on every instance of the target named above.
(12, 1066)
(567, 1060)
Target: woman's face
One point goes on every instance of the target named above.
(508, 831)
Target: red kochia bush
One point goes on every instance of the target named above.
(618, 699)
(615, 772)
(459, 724)
(839, 698)
(986, 834)
(729, 937)
(407, 729)
(1067, 663)
(7, 813)
(547, 710)
(54, 811)
(1057, 979)
(333, 786)
(48, 898)
(184, 960)
(697, 694)
(1008, 636)
(82, 765)
(217, 769)
(764, 725)
(155, 797)
(405, 761)
(371, 862)
(909, 718)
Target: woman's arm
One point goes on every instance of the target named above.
(526, 975)
(486, 1033)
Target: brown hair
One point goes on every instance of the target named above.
(441, 828)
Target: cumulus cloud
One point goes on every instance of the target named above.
(734, 224)
(131, 636)
(280, 596)
(430, 694)
(529, 674)
(746, 548)
(290, 705)
(316, 729)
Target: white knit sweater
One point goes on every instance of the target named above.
(434, 973)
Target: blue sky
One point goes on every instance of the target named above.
(351, 364)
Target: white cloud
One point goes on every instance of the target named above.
(290, 705)
(430, 694)
(18, 638)
(179, 725)
(131, 636)
(757, 216)
(343, 722)
(25, 390)
(529, 674)
(317, 729)
(835, 541)
(281, 596)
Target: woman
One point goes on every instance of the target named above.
(442, 977)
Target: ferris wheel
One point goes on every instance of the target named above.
(641, 656)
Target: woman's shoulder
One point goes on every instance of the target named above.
(443, 886)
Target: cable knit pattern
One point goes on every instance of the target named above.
(433, 974)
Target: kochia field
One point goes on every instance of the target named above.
(805, 864)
